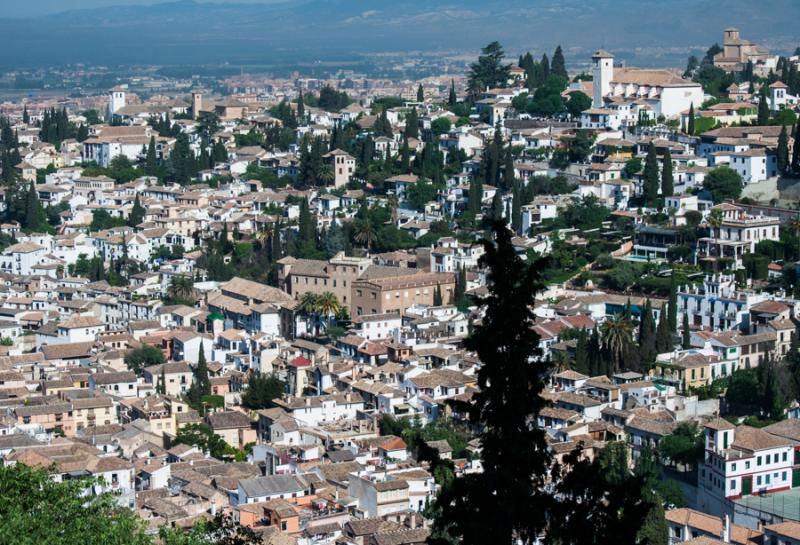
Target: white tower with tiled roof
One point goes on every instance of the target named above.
(602, 74)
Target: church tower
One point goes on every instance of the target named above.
(602, 74)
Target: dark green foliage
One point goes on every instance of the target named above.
(137, 213)
(332, 100)
(489, 71)
(558, 66)
(261, 390)
(647, 335)
(200, 385)
(437, 296)
(203, 437)
(763, 111)
(420, 193)
(35, 509)
(667, 181)
(652, 175)
(515, 456)
(382, 126)
(684, 446)
(420, 94)
(452, 99)
(25, 207)
(440, 125)
(690, 128)
(603, 502)
(783, 150)
(144, 356)
(102, 220)
(578, 102)
(184, 166)
(664, 342)
(547, 100)
(56, 127)
(723, 183)
(151, 160)
(686, 333)
(412, 124)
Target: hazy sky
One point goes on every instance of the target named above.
(28, 8)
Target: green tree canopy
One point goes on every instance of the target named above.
(723, 183)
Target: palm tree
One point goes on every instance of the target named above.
(715, 220)
(560, 361)
(326, 175)
(617, 337)
(309, 307)
(181, 287)
(365, 233)
(328, 306)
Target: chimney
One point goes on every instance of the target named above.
(213, 507)
(726, 528)
(308, 402)
(348, 397)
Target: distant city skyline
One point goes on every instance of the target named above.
(36, 8)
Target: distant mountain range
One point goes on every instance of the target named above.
(187, 32)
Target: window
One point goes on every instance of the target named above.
(758, 461)
(733, 484)
(784, 456)
(758, 480)
(747, 465)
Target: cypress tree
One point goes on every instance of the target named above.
(516, 208)
(412, 124)
(26, 118)
(663, 333)
(796, 149)
(420, 94)
(647, 334)
(763, 111)
(508, 170)
(510, 492)
(161, 387)
(544, 68)
(690, 123)
(301, 108)
(452, 99)
(686, 333)
(651, 176)
(437, 296)
(667, 187)
(497, 206)
(150, 163)
(137, 213)
(783, 150)
(581, 352)
(673, 304)
(201, 373)
(558, 66)
(594, 354)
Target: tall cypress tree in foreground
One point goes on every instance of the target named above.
(507, 501)
(151, 160)
(667, 183)
(783, 150)
(690, 123)
(763, 111)
(686, 333)
(663, 333)
(795, 167)
(647, 334)
(651, 175)
(673, 303)
(558, 66)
